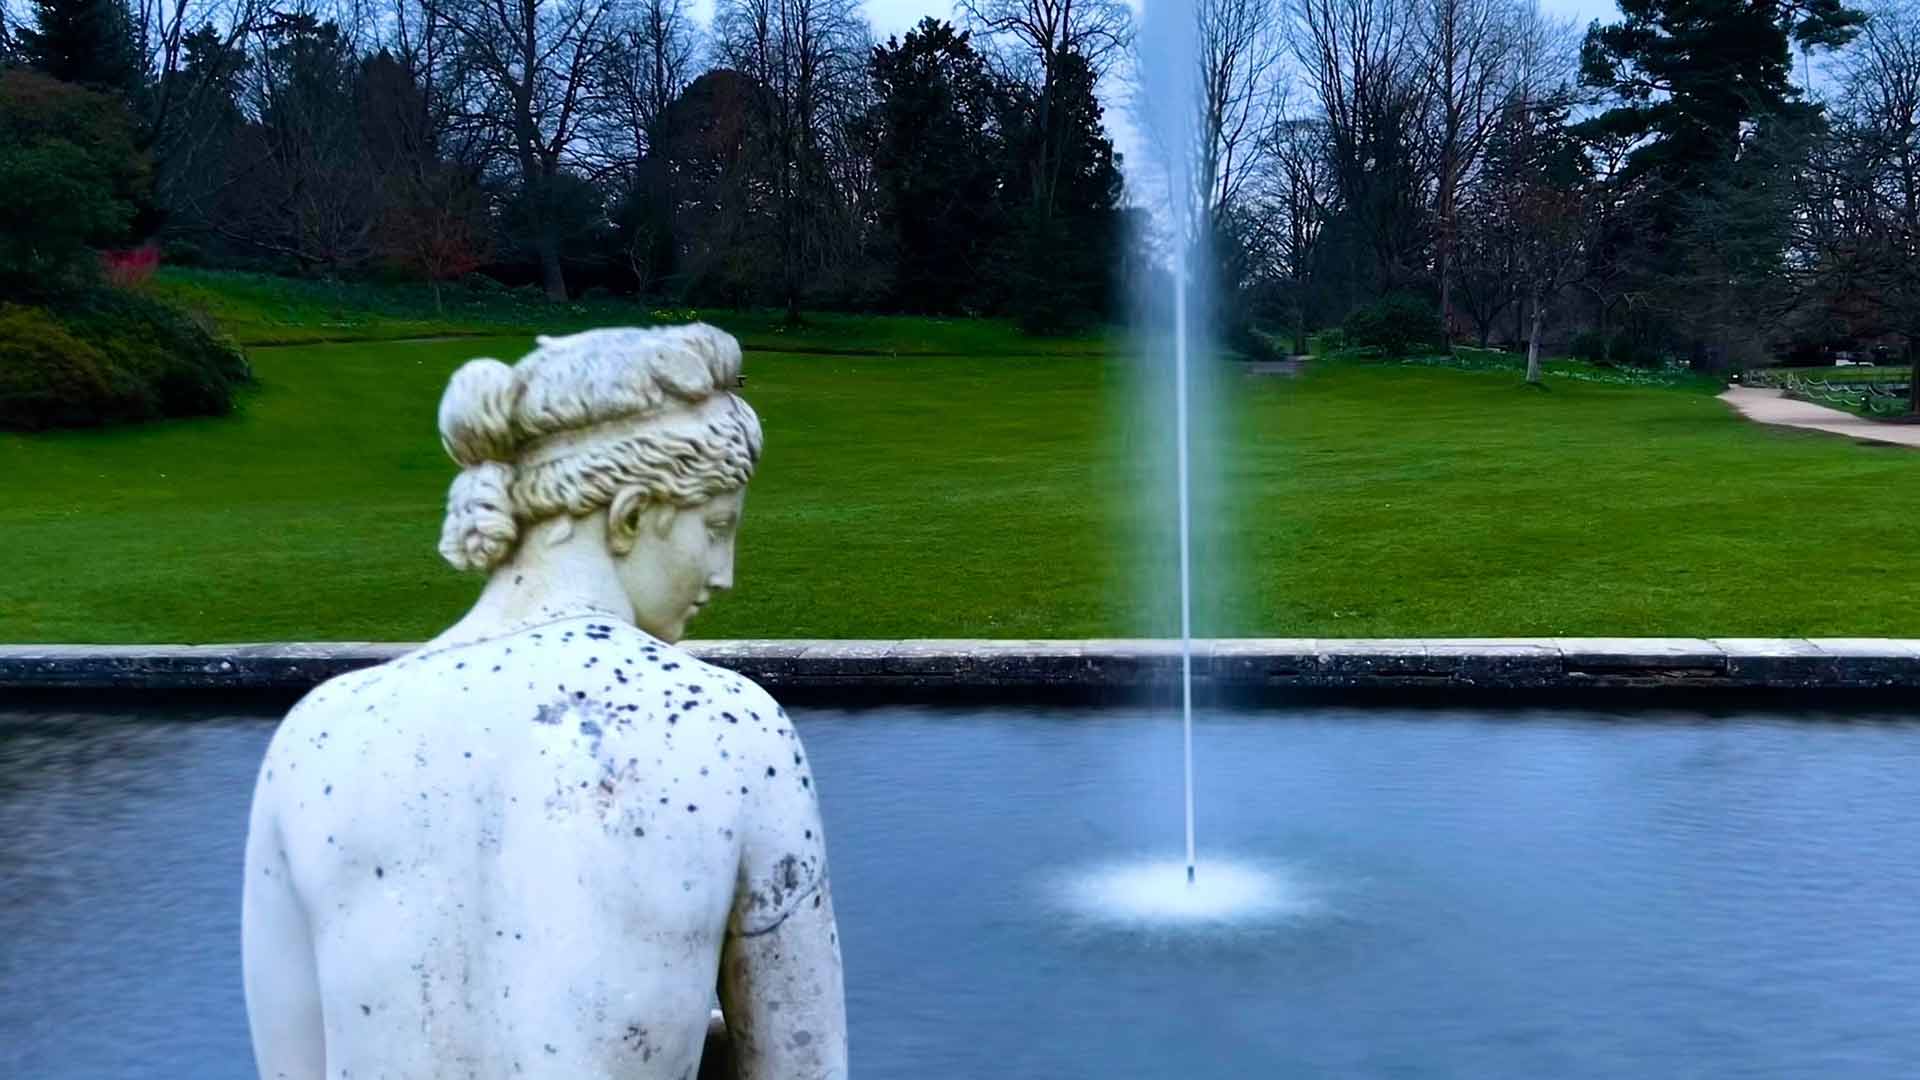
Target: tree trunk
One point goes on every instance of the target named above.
(548, 246)
(1533, 342)
(434, 282)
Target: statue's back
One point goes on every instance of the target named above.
(521, 856)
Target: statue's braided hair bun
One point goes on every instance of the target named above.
(476, 427)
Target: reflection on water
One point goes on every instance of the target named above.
(1440, 894)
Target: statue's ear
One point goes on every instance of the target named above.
(625, 518)
(631, 514)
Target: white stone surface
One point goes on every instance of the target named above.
(534, 846)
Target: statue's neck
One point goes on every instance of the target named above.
(555, 573)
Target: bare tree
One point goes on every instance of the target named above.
(1299, 195)
(803, 56)
(1467, 47)
(651, 60)
(1239, 46)
(534, 62)
(1881, 103)
(1358, 59)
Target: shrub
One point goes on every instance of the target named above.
(109, 356)
(72, 178)
(48, 377)
(1327, 341)
(1619, 348)
(1396, 325)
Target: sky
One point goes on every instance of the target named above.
(894, 17)
(897, 16)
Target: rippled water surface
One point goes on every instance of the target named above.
(1393, 894)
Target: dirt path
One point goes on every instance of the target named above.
(1773, 407)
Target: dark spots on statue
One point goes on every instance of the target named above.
(689, 706)
(703, 770)
(806, 782)
(663, 800)
(729, 718)
(694, 689)
(636, 1040)
(692, 809)
(328, 790)
(579, 695)
(548, 714)
(772, 772)
(816, 899)
(496, 668)
(809, 834)
(517, 578)
(379, 871)
(366, 1010)
(796, 759)
(638, 831)
(269, 776)
(743, 789)
(673, 718)
(591, 660)
(551, 1049)
(590, 729)
(675, 666)
(469, 753)
(329, 839)
(620, 676)
(803, 1038)
(461, 666)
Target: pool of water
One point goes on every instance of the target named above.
(1427, 893)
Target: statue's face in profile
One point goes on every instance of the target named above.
(681, 557)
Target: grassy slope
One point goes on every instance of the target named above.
(994, 495)
(258, 309)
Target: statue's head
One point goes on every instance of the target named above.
(636, 433)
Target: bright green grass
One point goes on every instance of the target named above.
(1000, 496)
(259, 309)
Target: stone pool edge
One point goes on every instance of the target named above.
(930, 668)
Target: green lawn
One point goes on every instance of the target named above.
(1003, 495)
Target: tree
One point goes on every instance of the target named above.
(804, 55)
(86, 42)
(1880, 139)
(1359, 62)
(649, 62)
(939, 165)
(1057, 51)
(533, 62)
(697, 217)
(72, 177)
(1064, 253)
(302, 184)
(1548, 181)
(1695, 84)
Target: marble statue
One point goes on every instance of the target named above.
(539, 843)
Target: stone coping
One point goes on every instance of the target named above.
(1010, 668)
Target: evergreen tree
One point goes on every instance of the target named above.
(1704, 87)
(1068, 246)
(938, 168)
(85, 42)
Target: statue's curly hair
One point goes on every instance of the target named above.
(582, 417)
